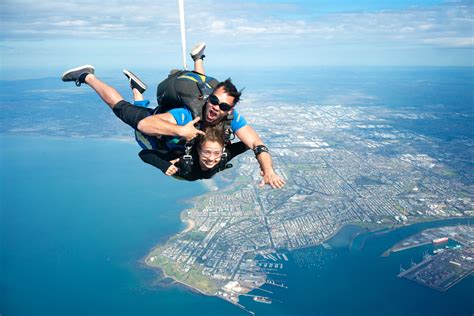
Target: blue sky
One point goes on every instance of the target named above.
(46, 36)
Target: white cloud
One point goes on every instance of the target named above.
(451, 42)
(74, 23)
(246, 30)
(246, 21)
(40, 20)
(411, 26)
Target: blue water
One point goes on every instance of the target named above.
(77, 216)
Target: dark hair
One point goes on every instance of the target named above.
(212, 134)
(230, 89)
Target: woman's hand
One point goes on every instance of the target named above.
(172, 169)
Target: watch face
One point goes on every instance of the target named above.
(260, 149)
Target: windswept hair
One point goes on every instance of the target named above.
(212, 134)
(231, 90)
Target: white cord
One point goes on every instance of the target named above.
(183, 32)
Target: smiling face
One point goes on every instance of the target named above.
(213, 113)
(210, 153)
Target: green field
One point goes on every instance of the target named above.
(192, 277)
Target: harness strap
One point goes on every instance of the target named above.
(187, 158)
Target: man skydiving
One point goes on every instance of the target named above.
(179, 122)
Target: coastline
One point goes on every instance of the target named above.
(182, 283)
(190, 224)
(163, 275)
(381, 230)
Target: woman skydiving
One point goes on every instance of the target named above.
(167, 132)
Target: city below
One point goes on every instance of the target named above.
(345, 165)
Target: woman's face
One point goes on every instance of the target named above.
(209, 154)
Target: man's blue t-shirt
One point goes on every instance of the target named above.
(183, 116)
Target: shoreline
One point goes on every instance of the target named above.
(182, 283)
(196, 290)
(383, 230)
(190, 224)
(164, 276)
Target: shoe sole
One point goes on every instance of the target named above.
(76, 69)
(131, 75)
(196, 49)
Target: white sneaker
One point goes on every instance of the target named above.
(135, 82)
(198, 51)
(78, 74)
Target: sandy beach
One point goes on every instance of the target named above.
(190, 225)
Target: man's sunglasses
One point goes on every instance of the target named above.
(222, 105)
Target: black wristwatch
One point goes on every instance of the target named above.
(260, 149)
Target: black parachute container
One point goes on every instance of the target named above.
(184, 88)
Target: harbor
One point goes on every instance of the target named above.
(447, 265)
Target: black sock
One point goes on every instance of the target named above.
(82, 77)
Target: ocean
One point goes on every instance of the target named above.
(79, 210)
(77, 217)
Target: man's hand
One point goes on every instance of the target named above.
(250, 138)
(272, 179)
(172, 169)
(189, 132)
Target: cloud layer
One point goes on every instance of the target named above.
(447, 25)
(433, 33)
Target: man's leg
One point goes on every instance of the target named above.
(128, 113)
(108, 94)
(197, 54)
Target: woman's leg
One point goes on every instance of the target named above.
(199, 66)
(197, 54)
(137, 96)
(138, 88)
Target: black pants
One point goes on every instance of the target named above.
(131, 114)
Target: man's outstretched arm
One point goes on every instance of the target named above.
(165, 124)
(250, 138)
